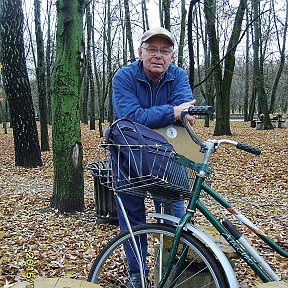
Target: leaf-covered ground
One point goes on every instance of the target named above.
(65, 245)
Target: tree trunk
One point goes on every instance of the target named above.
(190, 44)
(84, 86)
(98, 87)
(3, 112)
(247, 65)
(89, 69)
(258, 72)
(17, 86)
(282, 60)
(205, 86)
(102, 95)
(209, 10)
(48, 62)
(182, 34)
(223, 85)
(41, 81)
(68, 192)
(161, 16)
(92, 98)
(109, 67)
(84, 93)
(129, 30)
(144, 16)
(123, 32)
(229, 65)
(166, 12)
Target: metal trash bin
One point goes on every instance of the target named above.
(104, 197)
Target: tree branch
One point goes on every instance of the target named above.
(226, 55)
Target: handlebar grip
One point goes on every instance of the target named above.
(200, 110)
(248, 148)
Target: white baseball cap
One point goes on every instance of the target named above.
(160, 32)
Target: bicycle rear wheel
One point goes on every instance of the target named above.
(199, 269)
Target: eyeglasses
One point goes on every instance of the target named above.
(153, 50)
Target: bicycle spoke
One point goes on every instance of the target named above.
(192, 271)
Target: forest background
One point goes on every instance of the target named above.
(113, 30)
(233, 51)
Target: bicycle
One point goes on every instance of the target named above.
(180, 254)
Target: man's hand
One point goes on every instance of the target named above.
(178, 110)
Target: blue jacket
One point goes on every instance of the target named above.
(136, 98)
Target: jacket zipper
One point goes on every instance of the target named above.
(151, 91)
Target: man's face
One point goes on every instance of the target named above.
(157, 54)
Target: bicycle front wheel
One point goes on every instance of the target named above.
(199, 268)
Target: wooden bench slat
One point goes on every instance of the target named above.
(274, 284)
(57, 283)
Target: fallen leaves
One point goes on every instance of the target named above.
(66, 245)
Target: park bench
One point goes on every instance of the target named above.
(282, 123)
(274, 120)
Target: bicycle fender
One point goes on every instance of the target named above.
(233, 283)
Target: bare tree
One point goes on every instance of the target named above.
(49, 57)
(258, 66)
(190, 43)
(145, 21)
(223, 85)
(201, 40)
(166, 14)
(125, 22)
(41, 78)
(182, 33)
(247, 65)
(129, 30)
(282, 50)
(89, 66)
(17, 86)
(68, 189)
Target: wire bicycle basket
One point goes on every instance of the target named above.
(146, 171)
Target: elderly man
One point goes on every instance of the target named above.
(151, 91)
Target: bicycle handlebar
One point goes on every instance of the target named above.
(208, 110)
(248, 148)
(200, 110)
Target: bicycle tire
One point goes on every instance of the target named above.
(201, 269)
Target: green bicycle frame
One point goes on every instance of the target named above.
(194, 204)
(231, 210)
(226, 234)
